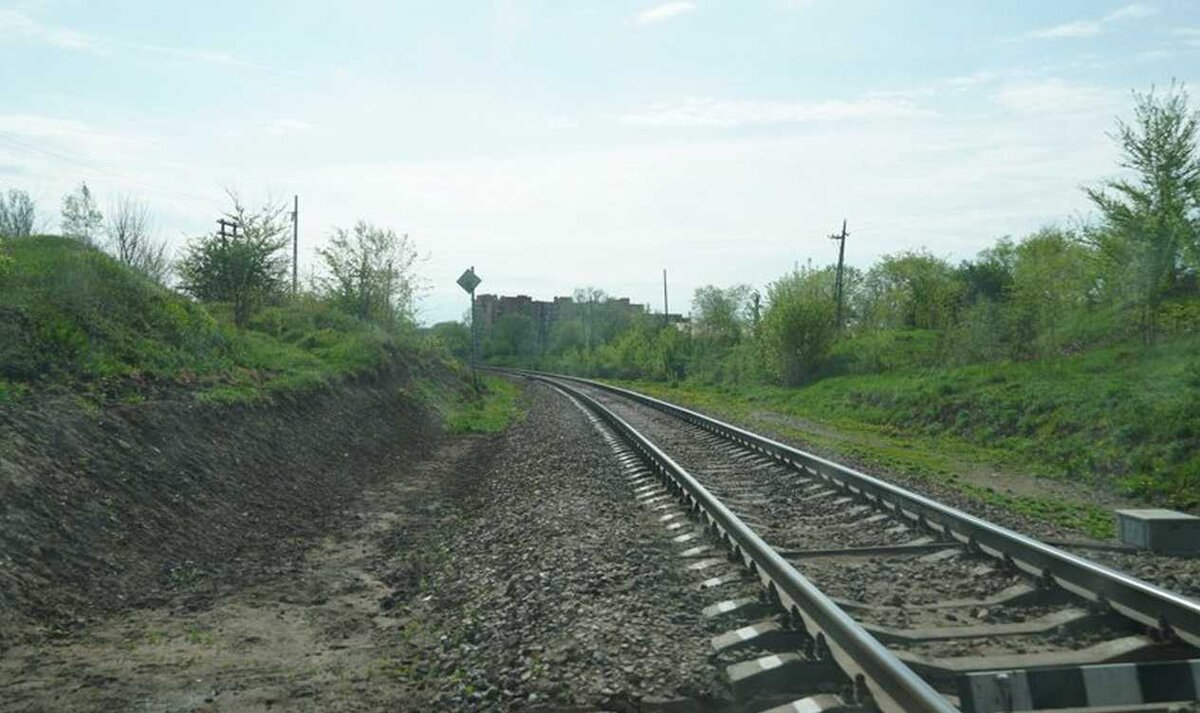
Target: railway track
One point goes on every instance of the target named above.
(833, 590)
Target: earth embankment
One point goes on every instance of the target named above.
(107, 507)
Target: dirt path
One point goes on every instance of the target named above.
(317, 633)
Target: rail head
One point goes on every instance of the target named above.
(1165, 611)
(892, 684)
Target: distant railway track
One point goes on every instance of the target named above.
(873, 597)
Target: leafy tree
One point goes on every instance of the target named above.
(911, 289)
(1151, 220)
(600, 317)
(455, 337)
(243, 269)
(584, 307)
(799, 326)
(512, 335)
(990, 275)
(17, 212)
(81, 219)
(719, 314)
(128, 230)
(1051, 280)
(566, 334)
(371, 273)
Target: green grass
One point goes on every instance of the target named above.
(492, 411)
(1123, 419)
(72, 316)
(463, 408)
(69, 312)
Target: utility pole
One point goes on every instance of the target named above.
(666, 308)
(228, 229)
(295, 244)
(841, 260)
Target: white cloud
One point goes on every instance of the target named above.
(287, 126)
(1056, 97)
(40, 127)
(1093, 27)
(16, 24)
(13, 23)
(662, 13)
(704, 112)
(1079, 28)
(1190, 36)
(1130, 12)
(957, 84)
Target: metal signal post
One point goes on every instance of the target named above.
(469, 281)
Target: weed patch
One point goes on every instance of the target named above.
(491, 411)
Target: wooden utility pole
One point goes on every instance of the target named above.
(666, 307)
(295, 244)
(841, 260)
(228, 229)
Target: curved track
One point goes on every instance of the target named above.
(918, 605)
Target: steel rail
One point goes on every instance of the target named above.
(1167, 613)
(894, 687)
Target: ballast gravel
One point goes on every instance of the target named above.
(555, 590)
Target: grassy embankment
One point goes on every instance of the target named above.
(1120, 422)
(74, 320)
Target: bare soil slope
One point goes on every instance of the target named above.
(106, 508)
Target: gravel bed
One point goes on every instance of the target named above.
(560, 592)
(1177, 574)
(956, 616)
(776, 493)
(1059, 640)
(896, 581)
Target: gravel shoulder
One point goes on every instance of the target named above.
(506, 572)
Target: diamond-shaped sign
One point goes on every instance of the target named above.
(469, 280)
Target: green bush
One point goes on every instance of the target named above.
(798, 328)
(71, 314)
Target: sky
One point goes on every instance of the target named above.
(555, 145)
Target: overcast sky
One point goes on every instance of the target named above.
(569, 143)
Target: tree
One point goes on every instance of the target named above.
(243, 269)
(128, 231)
(585, 300)
(1051, 279)
(512, 335)
(911, 289)
(1151, 221)
(371, 273)
(81, 219)
(455, 337)
(799, 326)
(990, 275)
(17, 213)
(719, 313)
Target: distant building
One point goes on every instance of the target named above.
(490, 309)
